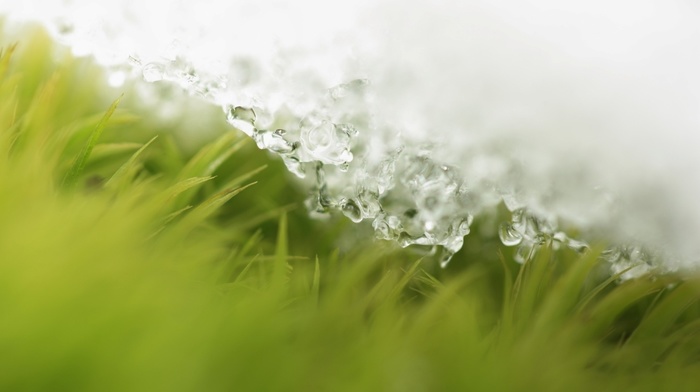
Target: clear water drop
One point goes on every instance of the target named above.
(153, 72)
(381, 229)
(560, 237)
(445, 258)
(578, 246)
(294, 166)
(508, 235)
(350, 209)
(320, 137)
(272, 141)
(464, 227)
(242, 118)
(524, 253)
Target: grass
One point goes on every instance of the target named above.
(130, 261)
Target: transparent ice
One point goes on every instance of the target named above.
(420, 116)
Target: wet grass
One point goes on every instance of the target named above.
(130, 261)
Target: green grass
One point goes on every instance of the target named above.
(133, 262)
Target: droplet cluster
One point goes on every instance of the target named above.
(409, 195)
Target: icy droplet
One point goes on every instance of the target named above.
(351, 210)
(243, 113)
(381, 229)
(321, 136)
(153, 72)
(446, 257)
(577, 246)
(242, 118)
(326, 142)
(293, 165)
(464, 226)
(272, 141)
(508, 235)
(524, 253)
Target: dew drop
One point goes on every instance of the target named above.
(509, 236)
(153, 72)
(381, 229)
(294, 166)
(577, 246)
(243, 113)
(524, 253)
(464, 227)
(320, 136)
(242, 118)
(560, 237)
(350, 209)
(445, 258)
(272, 141)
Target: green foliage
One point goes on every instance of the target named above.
(132, 266)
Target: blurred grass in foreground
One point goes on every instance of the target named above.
(127, 264)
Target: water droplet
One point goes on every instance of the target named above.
(381, 229)
(509, 236)
(578, 246)
(464, 227)
(524, 253)
(242, 118)
(272, 141)
(519, 220)
(368, 202)
(324, 142)
(153, 72)
(350, 209)
(446, 257)
(293, 165)
(243, 113)
(321, 136)
(560, 237)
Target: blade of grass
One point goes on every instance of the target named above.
(79, 164)
(666, 312)
(316, 283)
(281, 266)
(565, 293)
(5, 57)
(203, 211)
(124, 174)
